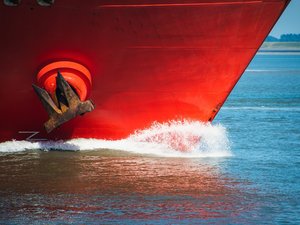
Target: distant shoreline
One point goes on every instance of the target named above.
(282, 48)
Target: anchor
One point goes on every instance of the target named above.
(65, 104)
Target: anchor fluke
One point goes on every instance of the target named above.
(46, 100)
(68, 104)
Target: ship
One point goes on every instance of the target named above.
(106, 68)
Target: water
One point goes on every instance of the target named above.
(246, 171)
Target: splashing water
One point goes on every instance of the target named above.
(171, 139)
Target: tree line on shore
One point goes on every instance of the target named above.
(284, 38)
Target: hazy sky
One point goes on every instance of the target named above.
(289, 22)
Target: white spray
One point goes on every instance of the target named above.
(171, 139)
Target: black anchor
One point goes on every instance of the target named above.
(68, 104)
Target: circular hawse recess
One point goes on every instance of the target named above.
(77, 75)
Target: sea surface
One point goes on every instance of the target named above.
(245, 170)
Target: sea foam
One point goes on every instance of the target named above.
(170, 139)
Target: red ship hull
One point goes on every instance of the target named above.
(149, 60)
